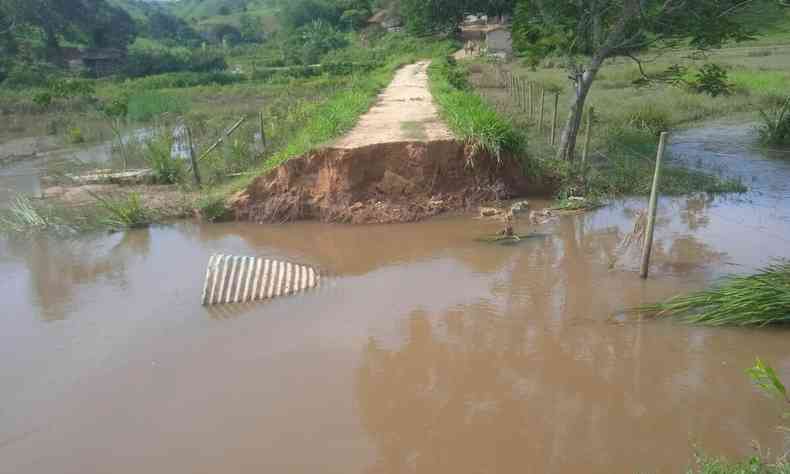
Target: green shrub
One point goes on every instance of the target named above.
(42, 98)
(711, 79)
(158, 157)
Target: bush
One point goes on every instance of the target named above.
(158, 156)
(42, 98)
(711, 79)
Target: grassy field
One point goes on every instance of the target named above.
(629, 116)
(300, 113)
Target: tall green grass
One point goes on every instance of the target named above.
(775, 127)
(470, 117)
(148, 105)
(755, 300)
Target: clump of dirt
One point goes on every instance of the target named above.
(381, 183)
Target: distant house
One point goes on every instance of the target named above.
(387, 21)
(98, 62)
(499, 41)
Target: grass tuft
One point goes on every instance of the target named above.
(23, 217)
(755, 300)
(124, 213)
(775, 129)
(470, 117)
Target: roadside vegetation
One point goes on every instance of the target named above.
(470, 117)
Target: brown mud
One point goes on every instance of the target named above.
(382, 183)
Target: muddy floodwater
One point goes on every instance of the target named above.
(425, 351)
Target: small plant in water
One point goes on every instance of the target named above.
(124, 213)
(755, 300)
(22, 217)
(775, 129)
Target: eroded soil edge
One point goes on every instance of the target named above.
(381, 183)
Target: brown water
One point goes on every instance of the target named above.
(426, 352)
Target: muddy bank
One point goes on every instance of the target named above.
(383, 183)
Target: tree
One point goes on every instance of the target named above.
(250, 28)
(94, 20)
(425, 17)
(112, 27)
(603, 29)
(298, 13)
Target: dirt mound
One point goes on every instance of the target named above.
(382, 183)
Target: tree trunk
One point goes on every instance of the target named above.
(583, 84)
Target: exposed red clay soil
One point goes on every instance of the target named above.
(382, 183)
(399, 164)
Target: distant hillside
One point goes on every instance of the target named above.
(204, 9)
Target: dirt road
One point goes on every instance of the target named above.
(405, 111)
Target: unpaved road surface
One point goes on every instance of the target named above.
(405, 111)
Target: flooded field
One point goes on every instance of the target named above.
(425, 351)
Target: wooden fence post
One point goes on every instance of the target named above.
(192, 158)
(556, 116)
(542, 107)
(530, 98)
(587, 132)
(651, 214)
(263, 131)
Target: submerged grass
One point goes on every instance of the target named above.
(127, 212)
(470, 117)
(755, 300)
(775, 127)
(23, 217)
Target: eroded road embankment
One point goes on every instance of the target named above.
(399, 164)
